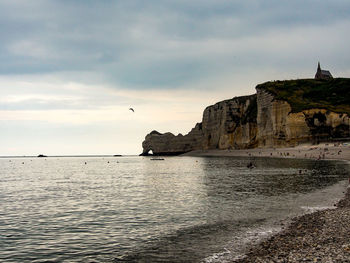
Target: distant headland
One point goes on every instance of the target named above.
(280, 114)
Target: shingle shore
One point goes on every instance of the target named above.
(323, 236)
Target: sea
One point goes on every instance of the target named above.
(134, 209)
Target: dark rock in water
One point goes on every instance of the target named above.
(41, 155)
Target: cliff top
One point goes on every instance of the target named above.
(303, 94)
(240, 99)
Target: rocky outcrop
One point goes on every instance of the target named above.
(280, 114)
(168, 144)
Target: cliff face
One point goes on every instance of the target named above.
(230, 124)
(276, 126)
(297, 111)
(279, 127)
(277, 116)
(226, 125)
(169, 144)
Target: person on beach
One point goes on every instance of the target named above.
(250, 165)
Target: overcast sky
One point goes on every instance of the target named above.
(70, 70)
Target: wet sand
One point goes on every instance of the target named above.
(322, 236)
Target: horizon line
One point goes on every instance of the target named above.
(71, 155)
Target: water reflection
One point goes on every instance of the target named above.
(179, 210)
(270, 177)
(230, 199)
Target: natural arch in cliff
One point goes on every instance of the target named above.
(147, 152)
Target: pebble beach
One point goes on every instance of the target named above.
(321, 236)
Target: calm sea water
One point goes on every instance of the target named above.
(132, 209)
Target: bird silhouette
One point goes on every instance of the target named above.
(132, 109)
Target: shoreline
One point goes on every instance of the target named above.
(324, 151)
(320, 236)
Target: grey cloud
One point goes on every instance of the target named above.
(128, 41)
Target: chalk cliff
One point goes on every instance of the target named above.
(230, 124)
(280, 114)
(278, 126)
(227, 124)
(169, 144)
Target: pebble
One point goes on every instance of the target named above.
(323, 236)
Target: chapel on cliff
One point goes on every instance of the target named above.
(322, 74)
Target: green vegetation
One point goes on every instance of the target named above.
(303, 94)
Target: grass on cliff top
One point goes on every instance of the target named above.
(304, 94)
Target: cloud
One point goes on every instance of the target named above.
(82, 64)
(150, 44)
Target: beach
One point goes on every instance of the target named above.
(321, 236)
(325, 151)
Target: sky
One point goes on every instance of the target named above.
(70, 70)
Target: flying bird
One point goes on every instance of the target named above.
(132, 109)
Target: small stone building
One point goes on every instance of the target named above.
(322, 74)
